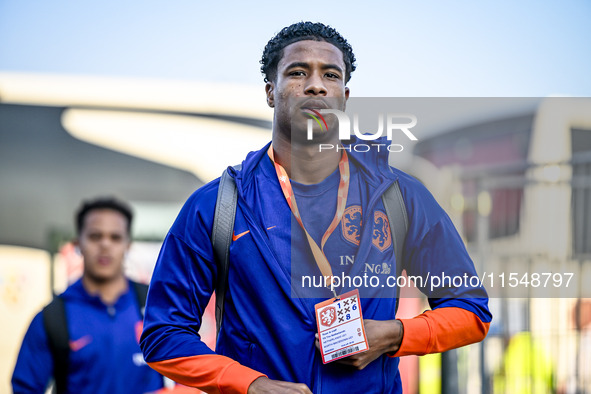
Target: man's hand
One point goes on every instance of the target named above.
(383, 336)
(266, 385)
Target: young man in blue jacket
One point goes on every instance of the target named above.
(103, 317)
(267, 342)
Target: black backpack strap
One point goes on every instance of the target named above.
(398, 218)
(56, 327)
(141, 293)
(223, 225)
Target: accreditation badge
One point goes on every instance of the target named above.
(340, 327)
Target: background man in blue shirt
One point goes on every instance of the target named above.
(103, 315)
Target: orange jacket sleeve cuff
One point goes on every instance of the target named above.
(416, 337)
(210, 372)
(440, 330)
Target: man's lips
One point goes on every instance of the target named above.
(104, 260)
(314, 105)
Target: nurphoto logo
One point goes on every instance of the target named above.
(318, 115)
(390, 122)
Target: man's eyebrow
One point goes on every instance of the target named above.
(332, 66)
(307, 65)
(298, 64)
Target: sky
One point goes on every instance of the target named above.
(403, 48)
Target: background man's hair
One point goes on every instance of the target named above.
(103, 203)
(273, 51)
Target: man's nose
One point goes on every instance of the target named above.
(105, 241)
(315, 85)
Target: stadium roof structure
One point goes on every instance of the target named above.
(68, 138)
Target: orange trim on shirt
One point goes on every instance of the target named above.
(209, 372)
(439, 330)
(179, 389)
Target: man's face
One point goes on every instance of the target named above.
(310, 75)
(103, 242)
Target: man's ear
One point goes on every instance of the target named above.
(346, 98)
(270, 91)
(76, 244)
(126, 254)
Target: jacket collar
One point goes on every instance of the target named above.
(373, 163)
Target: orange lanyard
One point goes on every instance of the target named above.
(342, 193)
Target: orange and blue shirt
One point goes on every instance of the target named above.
(269, 322)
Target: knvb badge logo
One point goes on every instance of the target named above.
(391, 122)
(328, 316)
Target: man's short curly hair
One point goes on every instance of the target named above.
(98, 203)
(300, 31)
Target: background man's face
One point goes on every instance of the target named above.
(308, 73)
(103, 242)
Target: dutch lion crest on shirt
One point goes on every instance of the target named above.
(382, 238)
(351, 227)
(351, 224)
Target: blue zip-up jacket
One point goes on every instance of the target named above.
(105, 356)
(269, 322)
